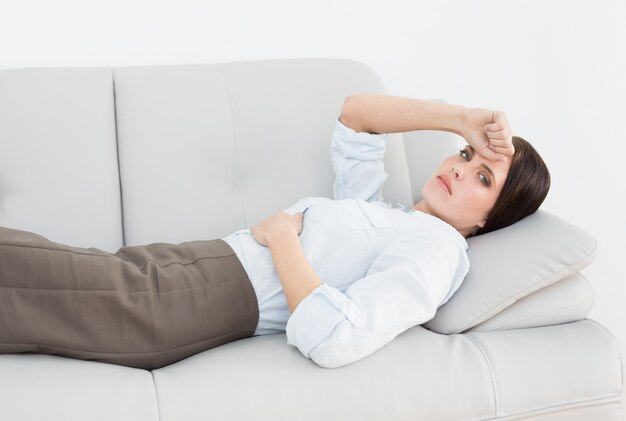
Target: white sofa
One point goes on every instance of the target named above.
(106, 157)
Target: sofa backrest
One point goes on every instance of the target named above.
(106, 157)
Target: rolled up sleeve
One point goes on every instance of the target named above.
(319, 313)
(402, 288)
(357, 159)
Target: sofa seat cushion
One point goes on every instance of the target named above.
(51, 387)
(426, 375)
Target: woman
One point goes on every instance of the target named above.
(369, 287)
(342, 281)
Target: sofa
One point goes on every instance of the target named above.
(106, 157)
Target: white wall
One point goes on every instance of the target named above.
(557, 68)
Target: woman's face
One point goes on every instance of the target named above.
(474, 189)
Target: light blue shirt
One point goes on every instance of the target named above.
(383, 269)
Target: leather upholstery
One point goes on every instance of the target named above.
(107, 157)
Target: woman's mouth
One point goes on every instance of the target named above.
(443, 184)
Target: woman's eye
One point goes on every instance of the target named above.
(483, 178)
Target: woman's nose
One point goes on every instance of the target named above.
(457, 172)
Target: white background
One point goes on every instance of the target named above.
(557, 68)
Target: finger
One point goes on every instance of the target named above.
(495, 127)
(491, 155)
(500, 117)
(503, 143)
(506, 131)
(499, 134)
(499, 142)
(500, 122)
(506, 150)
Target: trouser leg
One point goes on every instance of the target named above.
(144, 306)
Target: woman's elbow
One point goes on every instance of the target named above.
(349, 115)
(326, 363)
(329, 358)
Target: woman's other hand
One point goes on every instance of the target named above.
(279, 222)
(489, 133)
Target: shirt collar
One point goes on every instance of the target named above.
(453, 232)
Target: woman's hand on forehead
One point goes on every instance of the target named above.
(489, 133)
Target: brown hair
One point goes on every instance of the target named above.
(525, 188)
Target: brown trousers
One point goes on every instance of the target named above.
(144, 306)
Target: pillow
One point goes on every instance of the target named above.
(566, 301)
(508, 264)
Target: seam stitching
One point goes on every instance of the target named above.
(490, 373)
(233, 120)
(535, 316)
(117, 149)
(156, 395)
(550, 411)
(617, 347)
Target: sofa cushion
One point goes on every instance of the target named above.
(566, 301)
(508, 264)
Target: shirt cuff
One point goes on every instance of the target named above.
(317, 315)
(359, 145)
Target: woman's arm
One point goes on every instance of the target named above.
(294, 270)
(488, 131)
(280, 233)
(393, 114)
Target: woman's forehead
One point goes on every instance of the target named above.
(497, 169)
